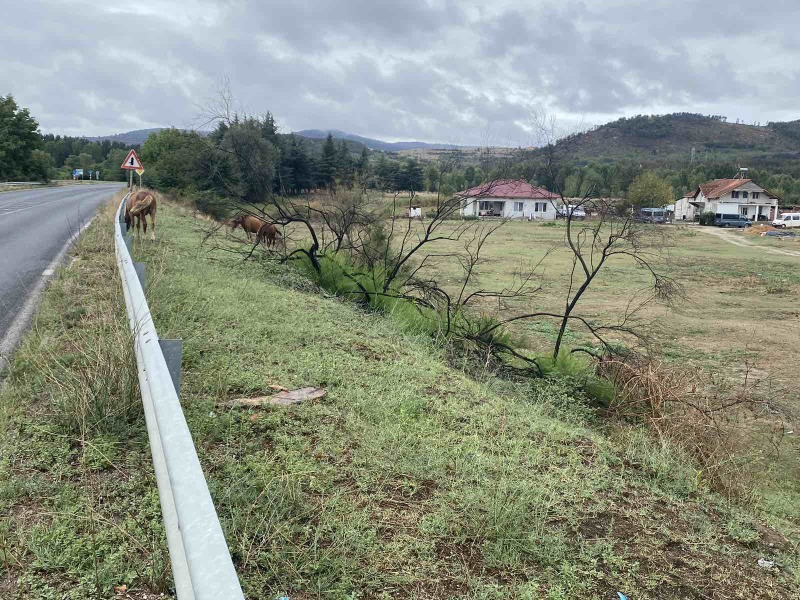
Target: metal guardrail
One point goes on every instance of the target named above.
(201, 563)
(20, 183)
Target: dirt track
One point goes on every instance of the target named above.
(736, 240)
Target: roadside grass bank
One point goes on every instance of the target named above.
(408, 479)
(79, 512)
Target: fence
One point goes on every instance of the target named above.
(201, 563)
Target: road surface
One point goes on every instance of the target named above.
(35, 226)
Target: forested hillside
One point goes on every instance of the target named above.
(670, 138)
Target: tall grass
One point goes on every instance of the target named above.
(89, 380)
(340, 276)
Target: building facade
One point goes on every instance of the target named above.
(737, 196)
(509, 199)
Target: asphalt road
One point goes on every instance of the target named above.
(35, 225)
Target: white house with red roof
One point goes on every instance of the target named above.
(510, 199)
(739, 196)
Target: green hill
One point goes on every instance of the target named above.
(669, 138)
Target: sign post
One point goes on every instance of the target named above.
(131, 164)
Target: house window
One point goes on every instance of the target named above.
(517, 206)
(540, 206)
(734, 194)
(484, 205)
(744, 194)
(756, 195)
(743, 210)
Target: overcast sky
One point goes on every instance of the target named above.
(436, 70)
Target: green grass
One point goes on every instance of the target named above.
(408, 480)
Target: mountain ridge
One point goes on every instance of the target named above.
(372, 143)
(684, 137)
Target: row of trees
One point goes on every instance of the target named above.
(188, 161)
(26, 154)
(299, 165)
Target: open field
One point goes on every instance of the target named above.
(741, 305)
(408, 480)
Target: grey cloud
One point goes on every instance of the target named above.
(438, 70)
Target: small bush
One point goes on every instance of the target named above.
(707, 218)
(581, 372)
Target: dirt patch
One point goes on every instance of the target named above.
(673, 553)
(759, 229)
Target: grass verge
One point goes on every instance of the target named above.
(407, 480)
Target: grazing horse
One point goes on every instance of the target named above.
(249, 223)
(139, 205)
(267, 234)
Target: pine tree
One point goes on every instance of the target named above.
(327, 163)
(344, 165)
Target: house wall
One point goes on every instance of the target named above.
(727, 204)
(684, 209)
(528, 208)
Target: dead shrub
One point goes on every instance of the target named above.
(730, 430)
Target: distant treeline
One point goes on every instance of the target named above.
(188, 162)
(26, 154)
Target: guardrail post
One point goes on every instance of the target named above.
(173, 354)
(139, 266)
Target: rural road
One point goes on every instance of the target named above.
(36, 226)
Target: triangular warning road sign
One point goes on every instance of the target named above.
(132, 161)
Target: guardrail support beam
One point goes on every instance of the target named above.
(139, 266)
(173, 354)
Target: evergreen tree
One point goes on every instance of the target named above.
(344, 165)
(362, 165)
(327, 163)
(411, 177)
(296, 166)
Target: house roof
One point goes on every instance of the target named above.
(509, 188)
(718, 187)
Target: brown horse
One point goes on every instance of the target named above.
(249, 223)
(267, 234)
(139, 205)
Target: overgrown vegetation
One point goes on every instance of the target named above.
(79, 513)
(408, 480)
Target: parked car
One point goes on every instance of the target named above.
(577, 212)
(651, 215)
(787, 220)
(731, 220)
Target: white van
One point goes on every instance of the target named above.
(787, 220)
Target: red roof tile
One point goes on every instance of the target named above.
(509, 188)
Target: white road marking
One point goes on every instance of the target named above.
(20, 322)
(4, 213)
